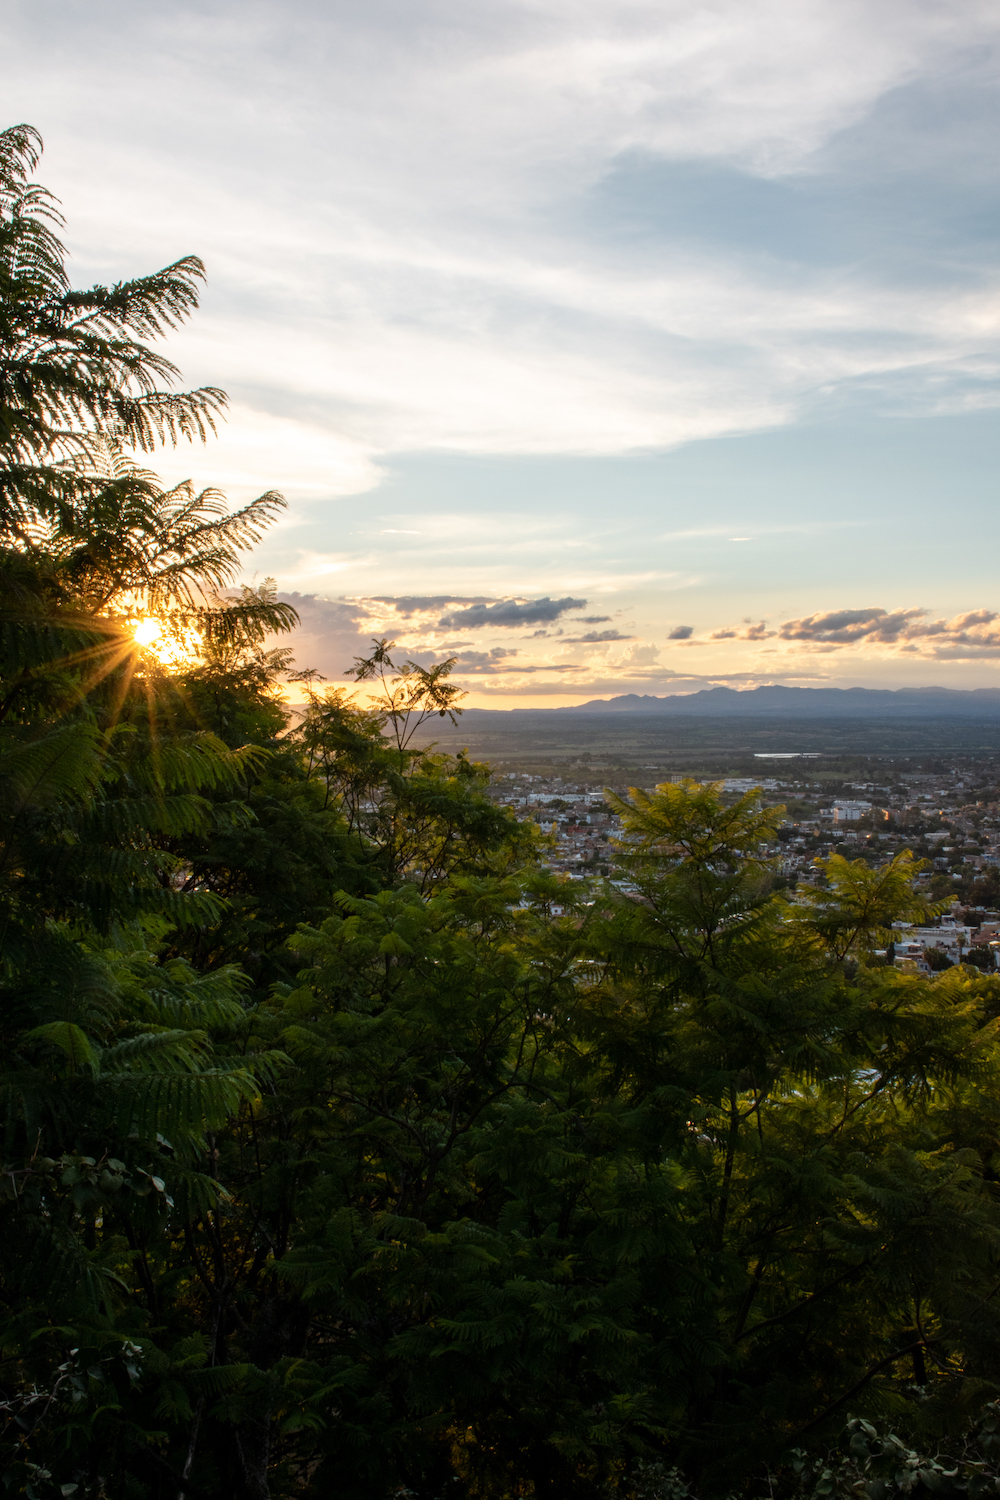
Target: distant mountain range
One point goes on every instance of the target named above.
(799, 703)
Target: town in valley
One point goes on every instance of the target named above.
(945, 810)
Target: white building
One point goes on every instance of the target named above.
(952, 939)
(850, 812)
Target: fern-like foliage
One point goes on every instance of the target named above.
(72, 360)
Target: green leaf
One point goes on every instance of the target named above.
(71, 1040)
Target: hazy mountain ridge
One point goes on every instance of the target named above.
(794, 702)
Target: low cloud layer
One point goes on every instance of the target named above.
(334, 632)
(595, 638)
(747, 632)
(418, 604)
(968, 636)
(511, 612)
(486, 663)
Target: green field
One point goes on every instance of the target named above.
(646, 741)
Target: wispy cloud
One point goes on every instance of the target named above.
(434, 264)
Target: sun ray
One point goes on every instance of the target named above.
(89, 681)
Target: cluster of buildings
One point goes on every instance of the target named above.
(942, 815)
(949, 937)
(576, 816)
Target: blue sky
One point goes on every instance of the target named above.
(675, 326)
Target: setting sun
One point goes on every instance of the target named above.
(148, 632)
(171, 644)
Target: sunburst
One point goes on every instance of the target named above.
(170, 643)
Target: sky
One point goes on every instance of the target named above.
(606, 346)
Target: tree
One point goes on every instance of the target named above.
(579, 1196)
(407, 694)
(72, 363)
(805, 1094)
(410, 812)
(109, 1078)
(467, 1261)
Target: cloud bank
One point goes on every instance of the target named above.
(967, 636)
